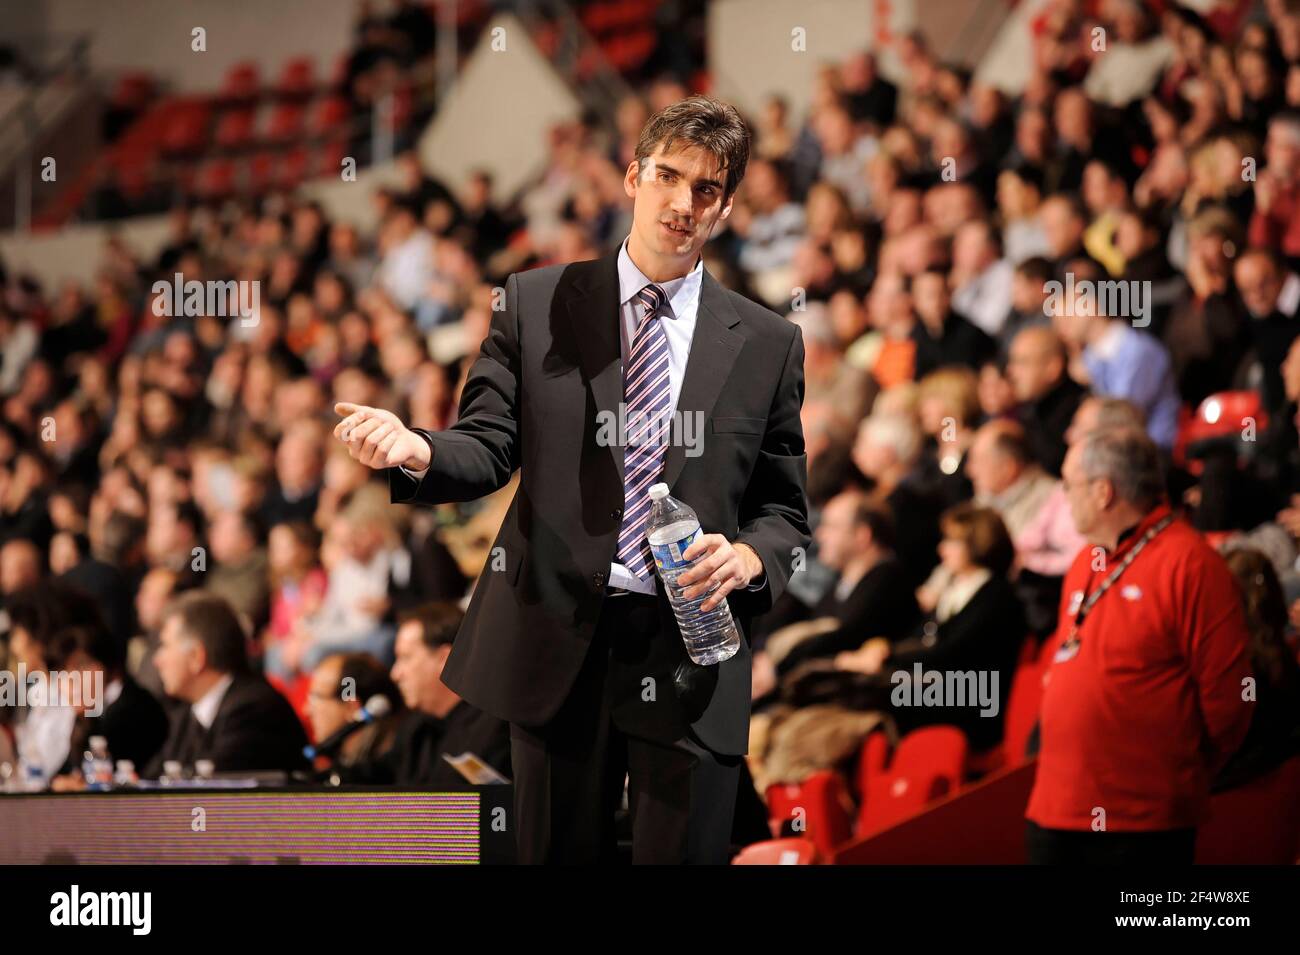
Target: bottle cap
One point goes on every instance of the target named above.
(658, 491)
(172, 768)
(98, 743)
(204, 768)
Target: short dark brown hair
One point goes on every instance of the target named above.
(705, 122)
(985, 536)
(211, 620)
(438, 620)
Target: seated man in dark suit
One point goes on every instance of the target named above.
(234, 718)
(441, 723)
(872, 597)
(127, 715)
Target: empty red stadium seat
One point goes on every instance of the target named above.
(234, 129)
(329, 115)
(331, 157)
(820, 803)
(298, 78)
(285, 122)
(261, 172)
(928, 764)
(132, 90)
(293, 168)
(186, 131)
(778, 852)
(215, 179)
(1221, 416)
(241, 82)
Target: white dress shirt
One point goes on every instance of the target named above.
(205, 708)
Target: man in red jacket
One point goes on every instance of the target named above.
(1146, 695)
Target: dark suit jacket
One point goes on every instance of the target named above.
(881, 604)
(550, 363)
(255, 729)
(985, 635)
(134, 725)
(416, 756)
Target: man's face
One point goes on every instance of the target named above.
(677, 201)
(986, 467)
(837, 532)
(325, 705)
(1259, 284)
(179, 659)
(1085, 420)
(1086, 498)
(1031, 368)
(930, 293)
(417, 670)
(1060, 227)
(1282, 152)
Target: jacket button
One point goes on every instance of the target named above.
(598, 580)
(617, 513)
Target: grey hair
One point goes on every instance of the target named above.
(1130, 460)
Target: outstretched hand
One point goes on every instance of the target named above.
(379, 440)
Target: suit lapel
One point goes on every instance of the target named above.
(714, 347)
(593, 309)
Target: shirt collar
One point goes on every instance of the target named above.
(1109, 344)
(205, 709)
(679, 291)
(1129, 535)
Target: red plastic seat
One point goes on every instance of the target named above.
(928, 764)
(186, 129)
(293, 168)
(819, 804)
(242, 82)
(132, 90)
(215, 179)
(778, 852)
(260, 173)
(298, 78)
(330, 115)
(331, 157)
(234, 129)
(285, 122)
(1222, 416)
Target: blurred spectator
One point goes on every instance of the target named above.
(1048, 398)
(441, 723)
(871, 596)
(131, 720)
(341, 685)
(1132, 730)
(1274, 734)
(232, 716)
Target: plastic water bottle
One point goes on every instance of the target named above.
(97, 767)
(710, 637)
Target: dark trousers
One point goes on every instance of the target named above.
(1071, 847)
(621, 721)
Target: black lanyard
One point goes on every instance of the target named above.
(1085, 607)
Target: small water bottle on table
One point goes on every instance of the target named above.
(710, 637)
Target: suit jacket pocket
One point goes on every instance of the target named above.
(738, 425)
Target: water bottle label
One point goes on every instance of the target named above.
(669, 556)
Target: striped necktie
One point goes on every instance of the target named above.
(648, 399)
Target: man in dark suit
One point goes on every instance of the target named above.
(570, 635)
(132, 721)
(440, 722)
(234, 717)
